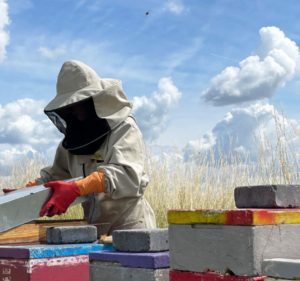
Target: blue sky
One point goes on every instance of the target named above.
(180, 44)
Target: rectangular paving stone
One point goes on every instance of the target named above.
(101, 271)
(141, 240)
(282, 268)
(193, 276)
(50, 251)
(238, 250)
(71, 234)
(267, 196)
(134, 260)
(235, 217)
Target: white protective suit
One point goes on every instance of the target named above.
(119, 157)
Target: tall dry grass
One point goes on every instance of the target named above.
(208, 178)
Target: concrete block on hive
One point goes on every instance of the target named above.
(134, 260)
(225, 248)
(210, 276)
(71, 234)
(267, 196)
(141, 240)
(282, 268)
(102, 271)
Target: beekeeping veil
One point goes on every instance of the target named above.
(86, 108)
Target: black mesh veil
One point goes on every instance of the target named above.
(84, 131)
(57, 121)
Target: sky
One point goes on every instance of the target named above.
(196, 71)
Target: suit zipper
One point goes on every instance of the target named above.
(83, 170)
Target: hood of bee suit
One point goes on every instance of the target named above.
(103, 101)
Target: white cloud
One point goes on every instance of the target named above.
(175, 6)
(153, 114)
(4, 35)
(24, 106)
(52, 54)
(21, 124)
(20, 164)
(274, 61)
(238, 124)
(14, 154)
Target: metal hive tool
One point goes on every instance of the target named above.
(24, 205)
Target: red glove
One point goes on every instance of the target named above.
(66, 192)
(63, 196)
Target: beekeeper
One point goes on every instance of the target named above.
(103, 144)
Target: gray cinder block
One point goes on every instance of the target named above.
(267, 196)
(282, 268)
(102, 271)
(141, 240)
(71, 234)
(236, 249)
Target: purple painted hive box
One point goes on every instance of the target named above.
(135, 260)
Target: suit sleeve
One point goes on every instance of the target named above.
(124, 172)
(59, 170)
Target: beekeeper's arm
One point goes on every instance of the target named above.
(124, 170)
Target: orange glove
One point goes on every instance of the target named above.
(30, 184)
(94, 183)
(65, 193)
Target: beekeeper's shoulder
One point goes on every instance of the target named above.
(129, 124)
(131, 120)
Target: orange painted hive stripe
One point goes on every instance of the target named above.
(235, 217)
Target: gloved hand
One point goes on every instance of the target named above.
(30, 184)
(65, 193)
